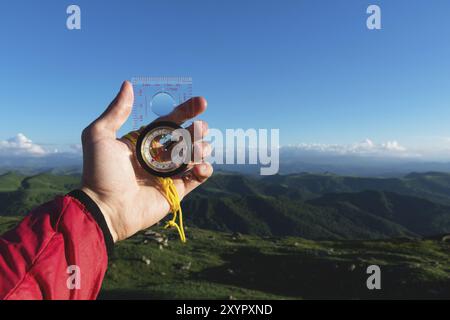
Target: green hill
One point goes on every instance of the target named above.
(267, 216)
(434, 186)
(419, 216)
(20, 194)
(323, 206)
(10, 181)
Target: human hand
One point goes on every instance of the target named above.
(129, 197)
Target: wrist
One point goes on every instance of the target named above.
(105, 210)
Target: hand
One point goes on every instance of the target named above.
(128, 196)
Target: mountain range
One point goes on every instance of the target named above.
(299, 236)
(311, 206)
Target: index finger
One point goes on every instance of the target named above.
(185, 111)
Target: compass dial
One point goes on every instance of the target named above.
(159, 152)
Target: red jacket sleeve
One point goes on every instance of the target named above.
(59, 251)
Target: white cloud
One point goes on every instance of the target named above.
(20, 145)
(366, 147)
(76, 148)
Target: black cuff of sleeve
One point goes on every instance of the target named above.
(97, 214)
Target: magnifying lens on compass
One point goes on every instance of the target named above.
(162, 103)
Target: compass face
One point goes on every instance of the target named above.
(159, 152)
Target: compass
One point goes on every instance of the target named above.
(161, 150)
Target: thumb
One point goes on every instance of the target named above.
(118, 111)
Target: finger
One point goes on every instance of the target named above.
(118, 111)
(201, 150)
(198, 175)
(187, 110)
(198, 130)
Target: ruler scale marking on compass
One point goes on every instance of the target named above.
(147, 89)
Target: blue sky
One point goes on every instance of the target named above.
(310, 68)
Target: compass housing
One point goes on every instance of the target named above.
(149, 148)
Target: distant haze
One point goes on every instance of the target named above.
(291, 161)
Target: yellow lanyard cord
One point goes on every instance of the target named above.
(171, 194)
